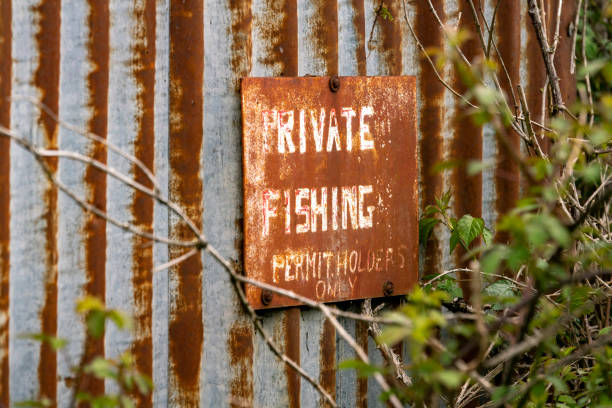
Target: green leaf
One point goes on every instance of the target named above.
(487, 236)
(591, 173)
(517, 257)
(364, 370)
(95, 323)
(121, 320)
(500, 289)
(105, 401)
(55, 342)
(454, 240)
(558, 383)
(44, 402)
(451, 287)
(89, 303)
(450, 378)
(468, 228)
(426, 225)
(538, 393)
(445, 165)
(144, 383)
(491, 260)
(474, 166)
(557, 231)
(101, 368)
(605, 330)
(393, 334)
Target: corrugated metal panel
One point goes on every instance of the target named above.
(160, 79)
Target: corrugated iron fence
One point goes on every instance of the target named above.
(160, 79)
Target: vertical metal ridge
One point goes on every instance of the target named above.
(161, 219)
(292, 349)
(46, 79)
(327, 359)
(186, 329)
(280, 53)
(507, 175)
(384, 38)
(361, 335)
(320, 26)
(275, 53)
(360, 29)
(467, 141)
(5, 196)
(98, 49)
(431, 145)
(242, 40)
(392, 39)
(240, 341)
(241, 358)
(142, 205)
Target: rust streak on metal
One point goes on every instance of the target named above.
(467, 141)
(327, 358)
(292, 349)
(507, 175)
(5, 197)
(46, 79)
(359, 25)
(430, 124)
(186, 329)
(281, 54)
(241, 359)
(392, 39)
(325, 27)
(242, 41)
(95, 181)
(240, 340)
(142, 205)
(361, 336)
(281, 39)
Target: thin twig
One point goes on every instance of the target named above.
(557, 25)
(89, 135)
(557, 98)
(530, 132)
(574, 34)
(432, 64)
(84, 204)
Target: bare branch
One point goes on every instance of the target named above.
(91, 136)
(84, 204)
(388, 354)
(547, 55)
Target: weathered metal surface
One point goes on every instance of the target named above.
(186, 329)
(431, 121)
(116, 65)
(361, 230)
(46, 79)
(5, 197)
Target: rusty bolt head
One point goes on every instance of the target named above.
(334, 83)
(266, 297)
(388, 288)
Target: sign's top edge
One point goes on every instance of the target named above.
(328, 76)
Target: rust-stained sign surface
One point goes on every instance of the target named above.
(330, 187)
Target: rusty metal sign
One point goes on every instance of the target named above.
(330, 187)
